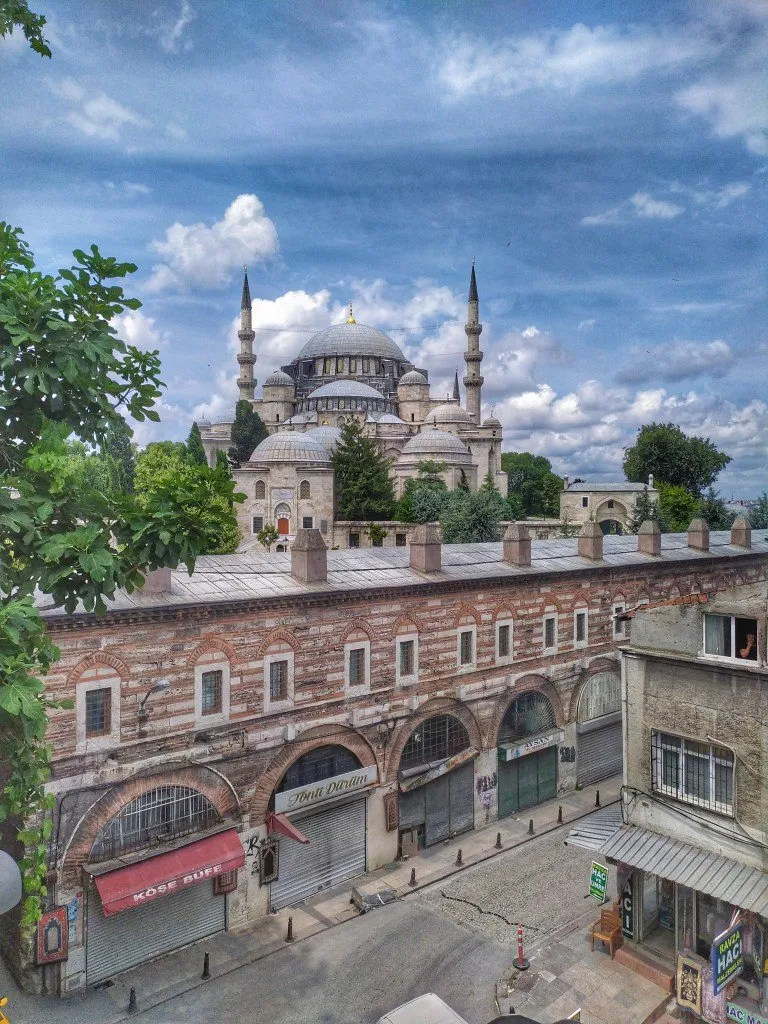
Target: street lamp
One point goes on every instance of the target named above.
(160, 686)
(10, 883)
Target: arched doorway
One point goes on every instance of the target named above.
(436, 779)
(598, 725)
(528, 738)
(323, 795)
(611, 527)
(283, 518)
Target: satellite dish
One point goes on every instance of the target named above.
(10, 883)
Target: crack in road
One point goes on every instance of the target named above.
(490, 913)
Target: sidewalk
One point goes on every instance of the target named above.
(179, 972)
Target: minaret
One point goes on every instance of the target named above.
(246, 334)
(456, 392)
(473, 382)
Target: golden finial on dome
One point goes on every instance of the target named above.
(350, 318)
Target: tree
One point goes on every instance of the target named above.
(361, 477)
(195, 448)
(531, 481)
(662, 449)
(16, 14)
(426, 505)
(119, 447)
(248, 431)
(567, 526)
(677, 507)
(713, 509)
(376, 534)
(758, 512)
(470, 518)
(516, 510)
(645, 509)
(267, 535)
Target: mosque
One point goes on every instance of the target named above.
(350, 370)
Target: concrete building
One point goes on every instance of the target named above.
(612, 505)
(244, 737)
(692, 857)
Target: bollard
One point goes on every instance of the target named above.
(521, 963)
(132, 1007)
(560, 815)
(530, 827)
(498, 840)
(289, 936)
(597, 798)
(413, 877)
(458, 858)
(206, 966)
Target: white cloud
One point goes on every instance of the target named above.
(221, 404)
(586, 325)
(171, 32)
(196, 254)
(95, 114)
(137, 329)
(176, 132)
(677, 360)
(129, 188)
(703, 308)
(641, 205)
(719, 198)
(734, 106)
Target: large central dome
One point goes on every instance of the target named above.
(351, 340)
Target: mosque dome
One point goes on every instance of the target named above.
(288, 446)
(448, 414)
(345, 389)
(440, 445)
(384, 417)
(491, 422)
(412, 377)
(278, 379)
(329, 437)
(351, 339)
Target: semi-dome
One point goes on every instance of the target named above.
(288, 446)
(351, 340)
(345, 389)
(277, 379)
(329, 437)
(384, 417)
(412, 377)
(440, 445)
(448, 414)
(491, 422)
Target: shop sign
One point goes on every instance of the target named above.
(627, 910)
(689, 983)
(530, 746)
(440, 769)
(316, 792)
(727, 956)
(598, 881)
(744, 1016)
(52, 936)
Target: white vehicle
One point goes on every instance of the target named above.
(427, 1009)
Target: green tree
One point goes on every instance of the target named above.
(427, 504)
(516, 510)
(118, 447)
(376, 534)
(662, 449)
(195, 447)
(16, 14)
(713, 509)
(532, 482)
(567, 526)
(361, 477)
(267, 535)
(646, 509)
(428, 478)
(474, 517)
(677, 507)
(248, 431)
(758, 512)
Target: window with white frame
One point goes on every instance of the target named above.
(580, 627)
(356, 659)
(504, 640)
(730, 636)
(550, 632)
(697, 773)
(212, 688)
(97, 710)
(278, 677)
(619, 622)
(466, 637)
(407, 659)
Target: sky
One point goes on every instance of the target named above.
(605, 165)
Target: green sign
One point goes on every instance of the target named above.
(744, 1016)
(727, 956)
(598, 882)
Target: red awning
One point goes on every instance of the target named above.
(279, 823)
(136, 884)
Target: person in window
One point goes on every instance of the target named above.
(749, 650)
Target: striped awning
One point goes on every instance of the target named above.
(596, 829)
(699, 869)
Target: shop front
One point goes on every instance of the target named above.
(527, 753)
(598, 727)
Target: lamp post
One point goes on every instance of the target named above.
(160, 686)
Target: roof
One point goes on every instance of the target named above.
(345, 389)
(277, 378)
(697, 868)
(291, 447)
(622, 485)
(328, 436)
(413, 377)
(245, 301)
(435, 442)
(384, 417)
(351, 340)
(592, 832)
(473, 285)
(448, 413)
(226, 578)
(491, 421)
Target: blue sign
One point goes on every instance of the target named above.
(727, 956)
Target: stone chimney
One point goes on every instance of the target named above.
(698, 535)
(427, 548)
(309, 557)
(157, 581)
(650, 481)
(741, 533)
(565, 483)
(517, 545)
(591, 541)
(649, 538)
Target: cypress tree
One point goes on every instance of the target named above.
(361, 477)
(195, 450)
(248, 431)
(120, 455)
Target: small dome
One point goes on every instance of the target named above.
(291, 447)
(440, 445)
(412, 377)
(491, 422)
(448, 414)
(351, 339)
(278, 379)
(346, 389)
(329, 437)
(384, 417)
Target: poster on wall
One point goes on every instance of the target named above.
(689, 984)
(52, 936)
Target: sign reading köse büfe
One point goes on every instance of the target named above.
(316, 792)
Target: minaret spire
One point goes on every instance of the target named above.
(473, 382)
(245, 357)
(456, 392)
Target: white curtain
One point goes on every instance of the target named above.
(717, 634)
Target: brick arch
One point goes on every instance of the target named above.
(214, 785)
(357, 625)
(96, 659)
(524, 685)
(406, 621)
(547, 600)
(504, 609)
(214, 643)
(321, 736)
(276, 636)
(466, 611)
(437, 706)
(598, 665)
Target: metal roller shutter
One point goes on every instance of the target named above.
(411, 809)
(462, 799)
(600, 754)
(336, 851)
(132, 937)
(438, 795)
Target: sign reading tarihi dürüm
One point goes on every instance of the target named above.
(727, 956)
(317, 792)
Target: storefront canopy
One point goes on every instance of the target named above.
(284, 827)
(201, 861)
(717, 876)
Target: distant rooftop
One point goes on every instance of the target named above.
(622, 485)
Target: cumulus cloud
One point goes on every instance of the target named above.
(677, 360)
(734, 106)
(641, 206)
(128, 188)
(203, 256)
(94, 113)
(135, 328)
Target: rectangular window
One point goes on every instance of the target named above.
(730, 636)
(466, 646)
(504, 640)
(339, 365)
(352, 365)
(307, 522)
(357, 666)
(550, 633)
(406, 657)
(354, 540)
(257, 523)
(619, 625)
(696, 773)
(609, 503)
(585, 501)
(580, 627)
(327, 366)
(400, 540)
(278, 680)
(98, 712)
(212, 685)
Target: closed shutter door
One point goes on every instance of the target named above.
(528, 781)
(438, 796)
(600, 754)
(509, 802)
(547, 773)
(336, 851)
(411, 808)
(462, 799)
(132, 937)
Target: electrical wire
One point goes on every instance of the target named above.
(382, 330)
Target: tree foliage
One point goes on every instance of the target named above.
(471, 517)
(16, 14)
(713, 509)
(532, 483)
(662, 449)
(428, 479)
(118, 447)
(758, 512)
(195, 450)
(361, 477)
(646, 509)
(248, 431)
(427, 504)
(677, 507)
(267, 535)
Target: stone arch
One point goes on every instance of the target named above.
(550, 601)
(321, 736)
(619, 510)
(276, 636)
(214, 643)
(524, 685)
(437, 706)
(466, 611)
(96, 659)
(404, 623)
(357, 625)
(503, 611)
(596, 666)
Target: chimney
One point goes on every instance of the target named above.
(427, 548)
(157, 581)
(650, 481)
(649, 538)
(565, 483)
(517, 545)
(591, 541)
(741, 533)
(309, 557)
(698, 535)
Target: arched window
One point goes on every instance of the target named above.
(305, 490)
(159, 815)
(260, 490)
(529, 714)
(601, 696)
(319, 764)
(435, 739)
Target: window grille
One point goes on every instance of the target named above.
(504, 637)
(435, 739)
(307, 522)
(278, 680)
(98, 712)
(212, 684)
(260, 489)
(696, 773)
(601, 696)
(160, 815)
(305, 491)
(406, 657)
(318, 764)
(354, 540)
(585, 501)
(357, 666)
(400, 540)
(529, 714)
(466, 647)
(257, 524)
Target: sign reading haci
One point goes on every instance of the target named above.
(727, 956)
(316, 792)
(598, 881)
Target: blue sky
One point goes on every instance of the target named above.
(605, 165)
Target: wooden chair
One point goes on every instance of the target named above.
(608, 929)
